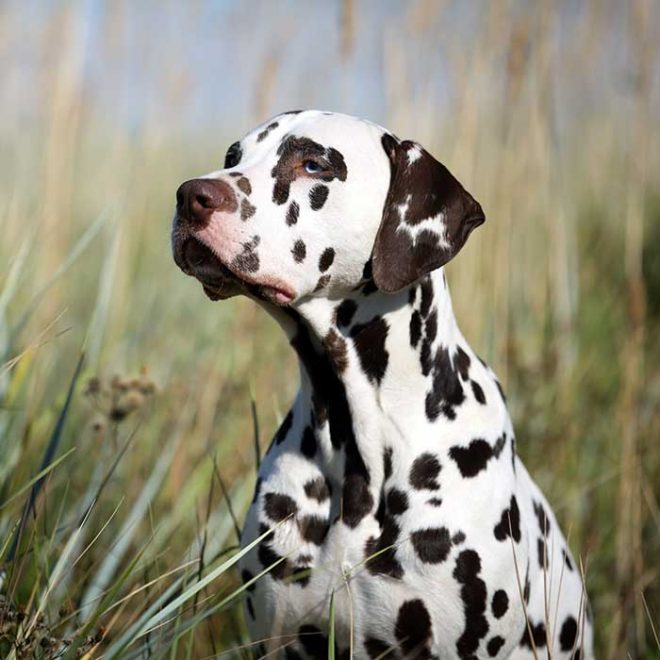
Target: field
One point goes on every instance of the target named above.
(132, 408)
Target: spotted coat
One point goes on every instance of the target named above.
(392, 493)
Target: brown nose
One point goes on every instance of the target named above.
(198, 199)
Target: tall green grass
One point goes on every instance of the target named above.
(131, 406)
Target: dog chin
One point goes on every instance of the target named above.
(222, 292)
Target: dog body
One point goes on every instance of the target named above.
(401, 519)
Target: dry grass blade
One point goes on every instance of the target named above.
(48, 457)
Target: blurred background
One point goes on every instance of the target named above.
(123, 475)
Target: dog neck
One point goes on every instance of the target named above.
(373, 367)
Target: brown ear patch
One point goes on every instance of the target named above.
(427, 217)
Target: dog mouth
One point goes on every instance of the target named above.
(219, 282)
(200, 262)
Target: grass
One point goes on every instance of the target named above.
(130, 406)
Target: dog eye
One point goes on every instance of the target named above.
(312, 167)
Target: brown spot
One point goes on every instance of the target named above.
(244, 185)
(335, 346)
(248, 260)
(318, 489)
(247, 210)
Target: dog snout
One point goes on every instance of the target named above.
(198, 199)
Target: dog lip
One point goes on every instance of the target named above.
(202, 262)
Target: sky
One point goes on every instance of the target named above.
(200, 64)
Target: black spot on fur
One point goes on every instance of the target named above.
(446, 392)
(317, 489)
(568, 634)
(313, 641)
(369, 340)
(431, 326)
(376, 648)
(567, 559)
(425, 357)
(292, 213)
(473, 594)
(462, 361)
(299, 574)
(415, 328)
(500, 603)
(478, 393)
(345, 312)
(434, 501)
(387, 463)
(246, 576)
(542, 550)
(284, 428)
(528, 586)
(234, 155)
(366, 270)
(538, 634)
(266, 131)
(250, 608)
(313, 528)
(458, 538)
(369, 287)
(397, 501)
(380, 552)
(424, 472)
(244, 185)
(318, 196)
(494, 645)
(427, 297)
(512, 514)
(432, 545)
(357, 501)
(413, 628)
(268, 557)
(326, 259)
(381, 510)
(542, 518)
(299, 251)
(474, 458)
(308, 444)
(278, 507)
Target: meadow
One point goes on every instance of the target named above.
(133, 410)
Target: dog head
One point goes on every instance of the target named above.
(315, 204)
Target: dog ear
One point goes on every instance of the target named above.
(427, 217)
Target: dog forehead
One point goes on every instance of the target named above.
(328, 129)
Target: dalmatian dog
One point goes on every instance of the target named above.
(392, 515)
